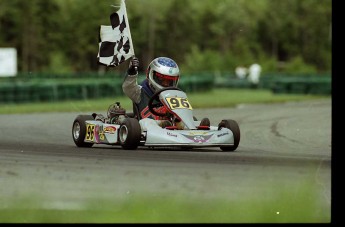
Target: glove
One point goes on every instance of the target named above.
(133, 66)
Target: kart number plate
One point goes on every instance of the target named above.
(90, 132)
(178, 103)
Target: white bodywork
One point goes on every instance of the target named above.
(154, 135)
(157, 136)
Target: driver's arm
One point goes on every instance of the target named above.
(131, 88)
(130, 85)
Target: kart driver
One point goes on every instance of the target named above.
(162, 72)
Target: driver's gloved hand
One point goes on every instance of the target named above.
(133, 66)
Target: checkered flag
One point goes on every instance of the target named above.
(115, 41)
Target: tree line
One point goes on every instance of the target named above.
(62, 36)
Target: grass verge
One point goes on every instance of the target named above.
(284, 206)
(209, 99)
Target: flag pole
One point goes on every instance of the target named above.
(129, 29)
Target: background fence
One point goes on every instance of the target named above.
(51, 88)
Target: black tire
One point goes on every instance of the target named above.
(205, 122)
(79, 130)
(233, 126)
(130, 134)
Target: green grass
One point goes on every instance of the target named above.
(209, 99)
(285, 206)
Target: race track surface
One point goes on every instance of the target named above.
(282, 146)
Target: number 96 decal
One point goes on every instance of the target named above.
(90, 132)
(178, 103)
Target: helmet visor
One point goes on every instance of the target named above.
(165, 80)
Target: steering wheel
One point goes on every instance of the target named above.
(155, 97)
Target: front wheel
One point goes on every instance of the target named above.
(130, 134)
(233, 126)
(79, 130)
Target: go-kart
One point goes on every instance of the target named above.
(130, 131)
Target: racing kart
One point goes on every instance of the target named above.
(129, 130)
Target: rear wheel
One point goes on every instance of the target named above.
(79, 130)
(130, 134)
(233, 126)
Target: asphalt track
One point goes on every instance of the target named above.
(282, 147)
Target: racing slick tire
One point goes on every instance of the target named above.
(233, 126)
(130, 134)
(79, 130)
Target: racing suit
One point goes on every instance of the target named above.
(140, 95)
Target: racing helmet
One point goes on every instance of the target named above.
(162, 72)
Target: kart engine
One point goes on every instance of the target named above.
(116, 114)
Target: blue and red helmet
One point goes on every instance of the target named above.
(163, 72)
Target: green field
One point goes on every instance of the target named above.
(281, 207)
(209, 99)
